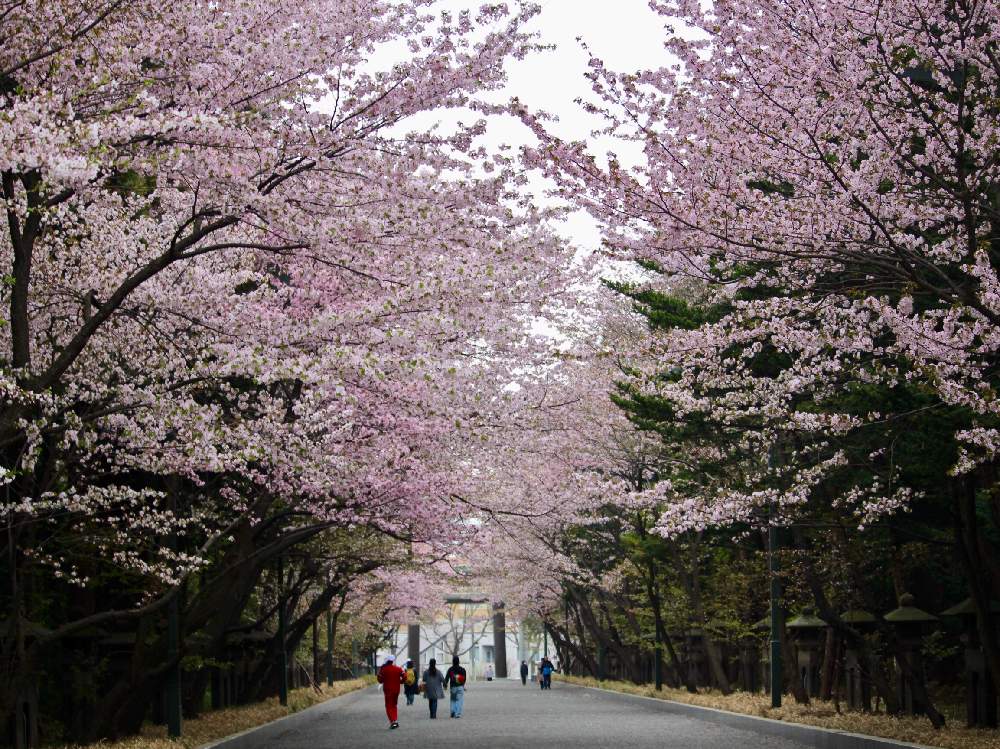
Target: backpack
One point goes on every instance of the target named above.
(411, 677)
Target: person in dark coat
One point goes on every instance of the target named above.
(547, 669)
(524, 672)
(455, 681)
(433, 679)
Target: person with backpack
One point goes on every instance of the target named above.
(547, 669)
(433, 680)
(410, 682)
(455, 681)
(390, 676)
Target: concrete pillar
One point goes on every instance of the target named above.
(500, 641)
(413, 646)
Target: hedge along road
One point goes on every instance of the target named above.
(501, 715)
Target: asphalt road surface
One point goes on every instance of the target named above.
(506, 715)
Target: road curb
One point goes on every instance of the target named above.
(814, 736)
(284, 723)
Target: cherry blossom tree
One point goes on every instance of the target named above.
(821, 182)
(245, 307)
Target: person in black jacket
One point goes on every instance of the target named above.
(455, 681)
(547, 669)
(524, 672)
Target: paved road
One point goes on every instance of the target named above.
(505, 715)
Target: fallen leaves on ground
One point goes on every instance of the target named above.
(217, 724)
(822, 714)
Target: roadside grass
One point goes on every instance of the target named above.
(217, 724)
(822, 714)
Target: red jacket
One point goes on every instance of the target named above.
(391, 676)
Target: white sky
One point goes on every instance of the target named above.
(625, 34)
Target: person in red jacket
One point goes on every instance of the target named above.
(391, 677)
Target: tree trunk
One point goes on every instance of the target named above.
(915, 678)
(849, 634)
(829, 661)
(315, 654)
(681, 675)
(712, 651)
(678, 674)
(838, 654)
(980, 589)
(793, 683)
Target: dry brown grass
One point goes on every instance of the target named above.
(823, 714)
(218, 724)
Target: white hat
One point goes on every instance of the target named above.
(390, 658)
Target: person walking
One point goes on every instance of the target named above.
(410, 685)
(455, 681)
(547, 669)
(433, 680)
(524, 673)
(391, 676)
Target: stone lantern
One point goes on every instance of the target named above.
(806, 630)
(911, 626)
(857, 673)
(980, 691)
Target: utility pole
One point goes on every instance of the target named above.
(658, 665)
(329, 648)
(173, 680)
(777, 672)
(283, 651)
(315, 652)
(777, 675)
